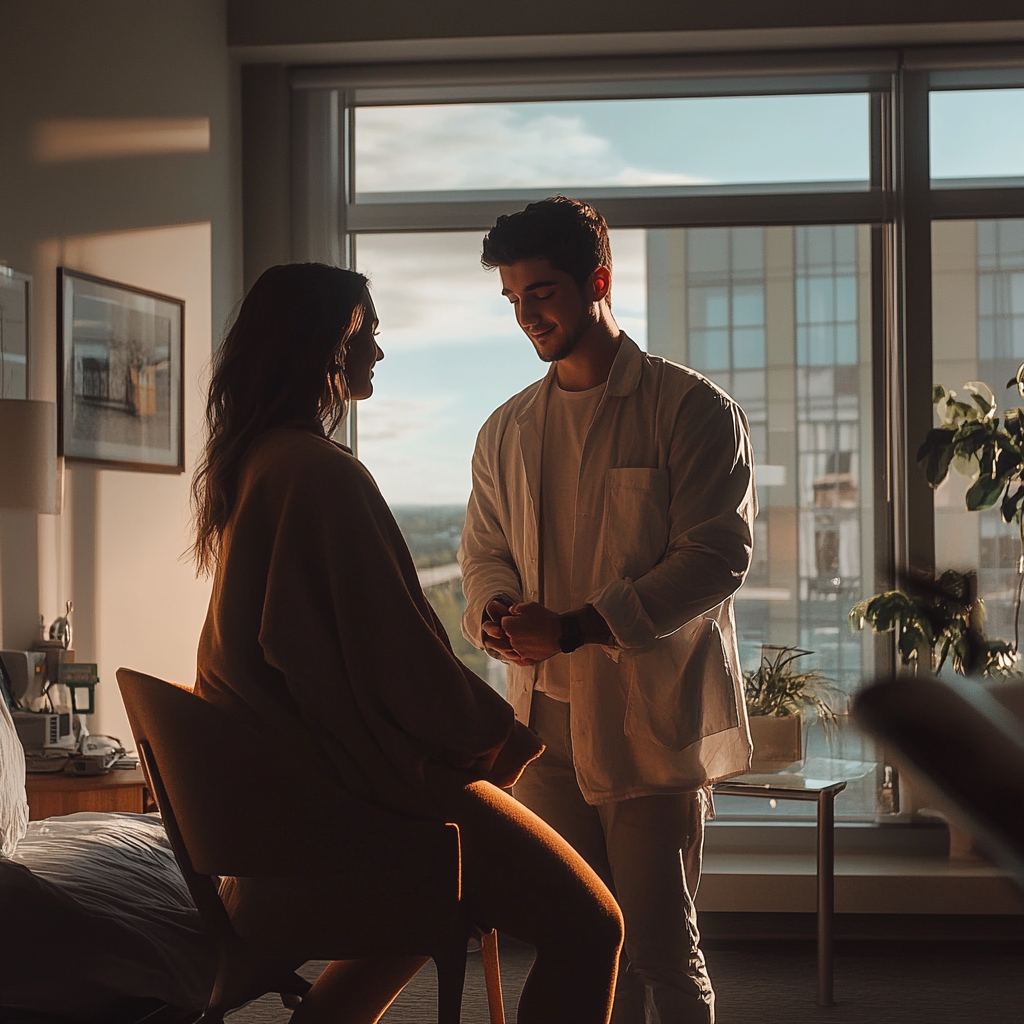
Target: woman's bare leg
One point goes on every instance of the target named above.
(356, 991)
(521, 877)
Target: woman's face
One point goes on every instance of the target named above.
(362, 352)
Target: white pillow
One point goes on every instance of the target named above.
(13, 805)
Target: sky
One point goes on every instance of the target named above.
(453, 349)
(572, 144)
(977, 133)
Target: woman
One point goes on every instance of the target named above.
(318, 633)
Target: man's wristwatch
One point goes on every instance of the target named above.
(572, 634)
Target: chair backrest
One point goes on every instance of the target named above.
(243, 809)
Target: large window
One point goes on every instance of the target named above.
(767, 230)
(978, 301)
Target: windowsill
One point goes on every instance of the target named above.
(929, 838)
(754, 867)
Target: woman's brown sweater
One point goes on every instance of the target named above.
(319, 635)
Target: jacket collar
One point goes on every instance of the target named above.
(625, 373)
(623, 379)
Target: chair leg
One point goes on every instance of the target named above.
(451, 979)
(492, 976)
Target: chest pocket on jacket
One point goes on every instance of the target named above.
(635, 520)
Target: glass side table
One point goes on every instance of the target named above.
(820, 780)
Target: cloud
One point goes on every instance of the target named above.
(386, 420)
(482, 146)
(430, 289)
(410, 479)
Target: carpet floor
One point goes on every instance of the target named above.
(774, 983)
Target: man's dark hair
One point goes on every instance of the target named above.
(568, 232)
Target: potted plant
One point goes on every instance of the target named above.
(777, 696)
(934, 620)
(937, 618)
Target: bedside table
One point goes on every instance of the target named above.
(59, 793)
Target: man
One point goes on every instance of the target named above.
(609, 526)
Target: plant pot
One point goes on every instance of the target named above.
(778, 742)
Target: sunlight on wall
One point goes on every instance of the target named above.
(90, 138)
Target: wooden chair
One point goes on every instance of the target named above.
(234, 807)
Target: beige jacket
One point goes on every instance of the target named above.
(664, 525)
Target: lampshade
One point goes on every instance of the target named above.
(31, 475)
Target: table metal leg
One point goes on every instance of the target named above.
(826, 894)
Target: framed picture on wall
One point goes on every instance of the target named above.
(120, 374)
(14, 333)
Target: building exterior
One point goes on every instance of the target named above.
(780, 317)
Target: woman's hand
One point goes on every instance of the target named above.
(521, 747)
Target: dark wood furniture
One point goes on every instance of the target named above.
(57, 793)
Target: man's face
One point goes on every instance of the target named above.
(549, 305)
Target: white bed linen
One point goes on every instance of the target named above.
(13, 805)
(105, 914)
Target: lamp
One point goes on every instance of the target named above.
(31, 475)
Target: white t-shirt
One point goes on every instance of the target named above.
(569, 415)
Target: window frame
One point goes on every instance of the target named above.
(899, 204)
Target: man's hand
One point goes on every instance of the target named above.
(496, 642)
(533, 631)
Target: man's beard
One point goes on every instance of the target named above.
(567, 346)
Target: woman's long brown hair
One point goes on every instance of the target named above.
(281, 361)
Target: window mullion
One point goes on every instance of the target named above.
(915, 527)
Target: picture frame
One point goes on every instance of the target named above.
(121, 381)
(15, 332)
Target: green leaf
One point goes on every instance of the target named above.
(911, 641)
(1006, 441)
(1011, 503)
(885, 610)
(1007, 464)
(957, 585)
(1014, 424)
(972, 438)
(936, 453)
(984, 492)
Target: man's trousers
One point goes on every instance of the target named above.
(647, 850)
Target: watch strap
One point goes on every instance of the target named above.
(571, 638)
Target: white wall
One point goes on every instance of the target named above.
(162, 221)
(127, 572)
